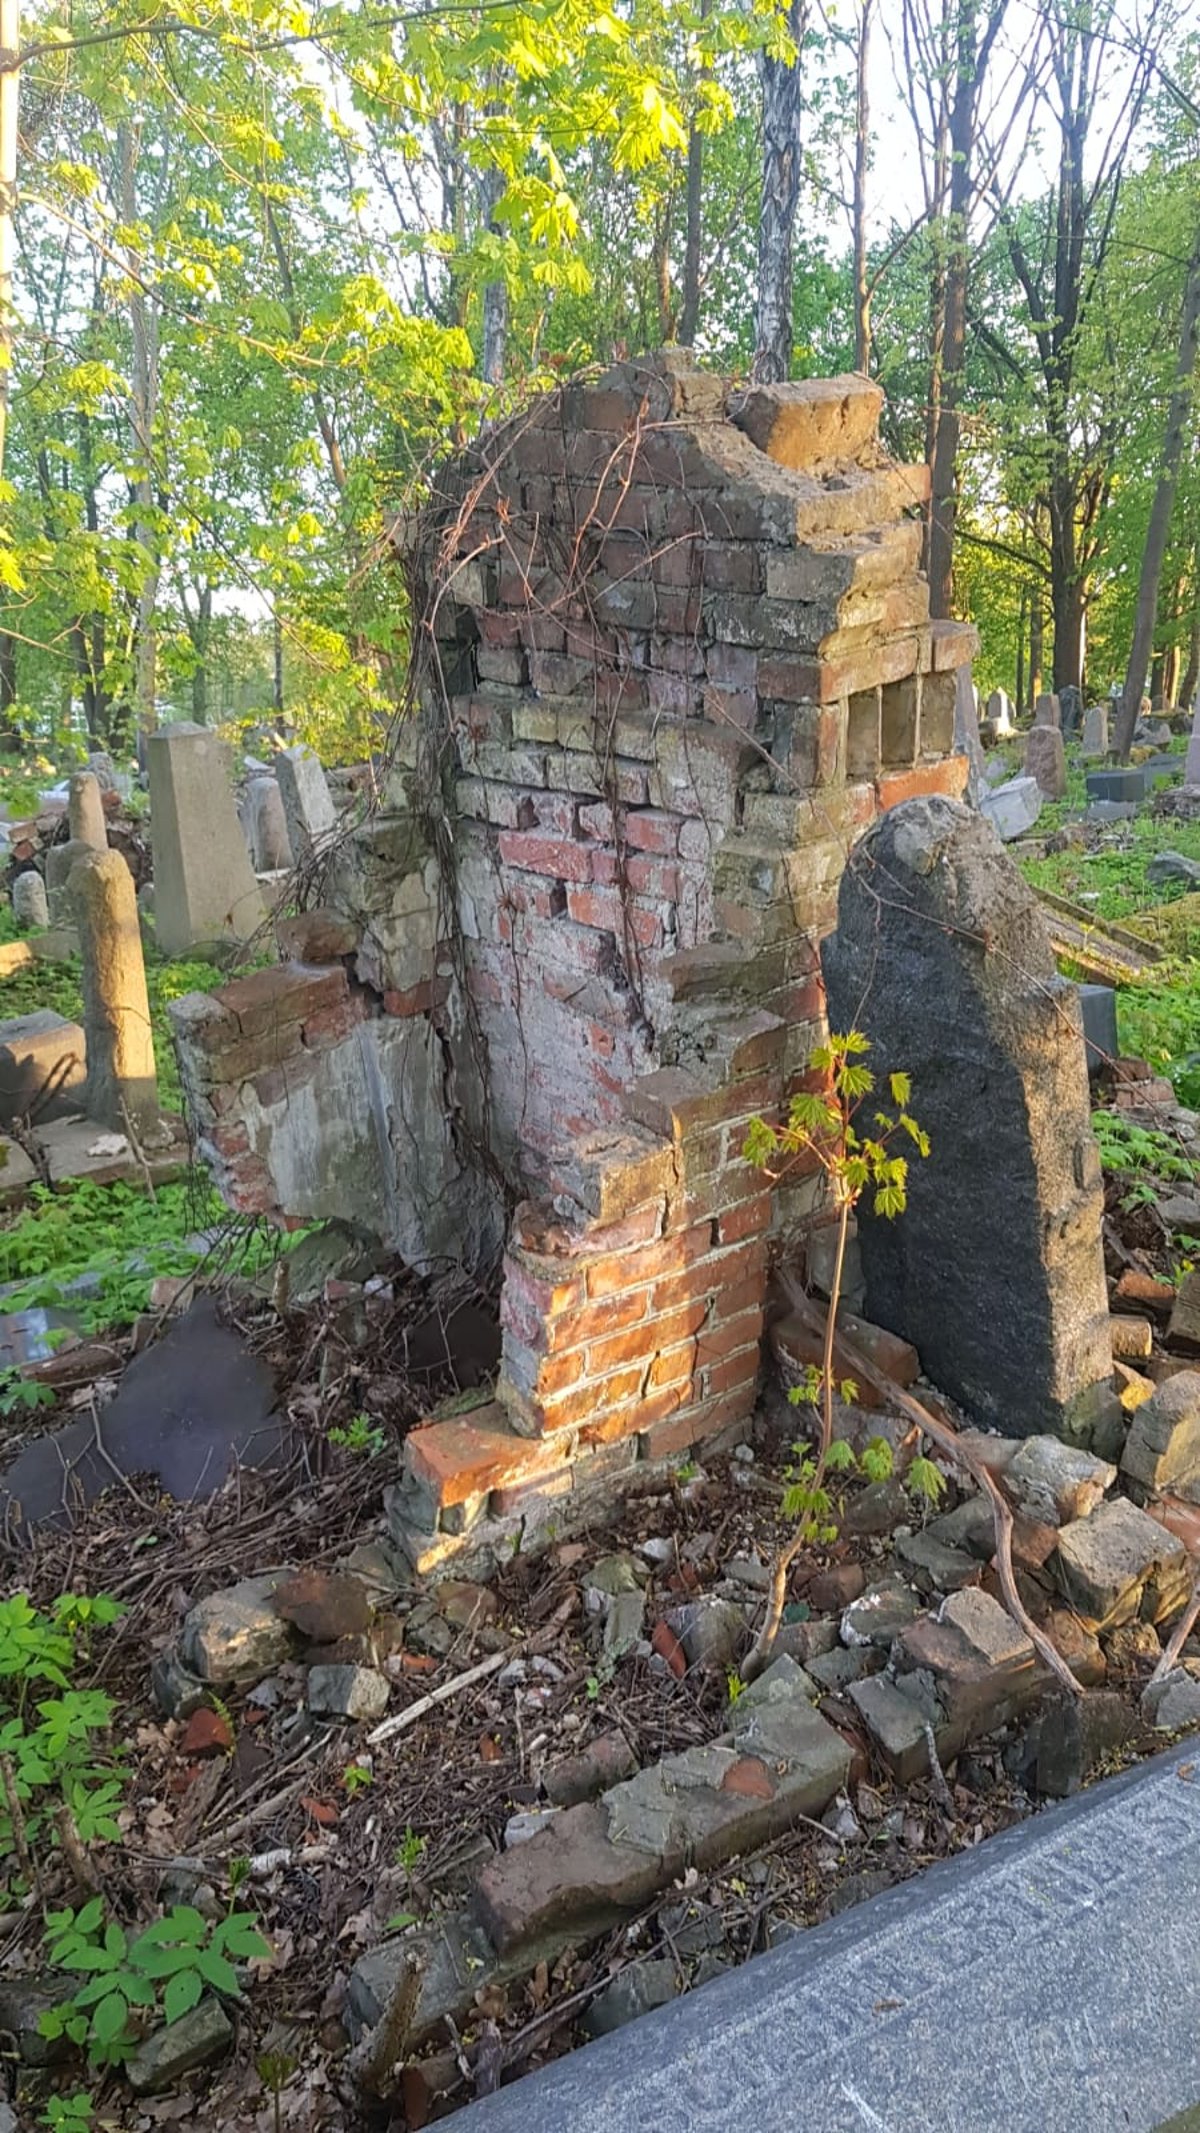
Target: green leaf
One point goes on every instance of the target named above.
(181, 1994)
(218, 1972)
(110, 2018)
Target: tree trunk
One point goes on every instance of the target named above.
(495, 293)
(1160, 512)
(200, 631)
(862, 160)
(781, 105)
(1037, 634)
(143, 411)
(8, 685)
(10, 45)
(1020, 696)
(970, 61)
(689, 316)
(277, 663)
(1191, 673)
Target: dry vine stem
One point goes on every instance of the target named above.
(948, 1441)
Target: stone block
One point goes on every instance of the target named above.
(594, 1864)
(122, 1084)
(813, 423)
(1119, 1562)
(1013, 809)
(1127, 786)
(235, 1634)
(42, 1067)
(1162, 1450)
(85, 810)
(1055, 1482)
(895, 1725)
(265, 826)
(205, 889)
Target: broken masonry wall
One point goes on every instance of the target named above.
(674, 655)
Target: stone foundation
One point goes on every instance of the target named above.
(674, 656)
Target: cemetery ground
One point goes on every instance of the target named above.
(328, 1773)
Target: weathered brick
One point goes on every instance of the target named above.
(669, 1256)
(558, 857)
(457, 1459)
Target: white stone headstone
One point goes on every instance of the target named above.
(1191, 772)
(307, 802)
(1094, 744)
(204, 886)
(29, 901)
(1013, 809)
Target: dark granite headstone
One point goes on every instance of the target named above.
(995, 1271)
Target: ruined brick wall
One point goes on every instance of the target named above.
(675, 655)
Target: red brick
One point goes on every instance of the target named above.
(748, 1220)
(596, 1321)
(672, 1366)
(609, 911)
(528, 1301)
(648, 830)
(458, 1459)
(583, 1402)
(561, 860)
(670, 1255)
(649, 1337)
(741, 1368)
(417, 1000)
(949, 777)
(728, 1335)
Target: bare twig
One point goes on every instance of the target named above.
(86, 1879)
(404, 1719)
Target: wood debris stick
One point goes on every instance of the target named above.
(947, 1439)
(372, 2063)
(1110, 955)
(391, 1726)
(1180, 1634)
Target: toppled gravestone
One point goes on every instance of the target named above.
(995, 1271)
(188, 1410)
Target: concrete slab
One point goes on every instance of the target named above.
(83, 1148)
(1044, 1983)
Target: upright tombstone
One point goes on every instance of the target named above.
(307, 801)
(1095, 733)
(104, 770)
(1046, 761)
(995, 1271)
(1000, 715)
(204, 886)
(1191, 770)
(1071, 701)
(1048, 711)
(122, 1085)
(85, 810)
(60, 859)
(966, 732)
(30, 905)
(265, 825)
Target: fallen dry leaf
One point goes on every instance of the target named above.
(320, 1810)
(490, 1750)
(664, 1641)
(206, 1733)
